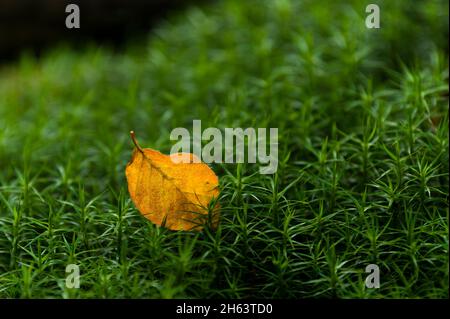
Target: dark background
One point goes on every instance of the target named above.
(33, 25)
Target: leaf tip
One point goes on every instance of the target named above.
(133, 138)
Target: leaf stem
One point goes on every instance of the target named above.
(133, 137)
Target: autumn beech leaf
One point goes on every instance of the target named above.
(179, 195)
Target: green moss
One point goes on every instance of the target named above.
(363, 175)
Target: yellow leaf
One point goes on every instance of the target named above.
(175, 195)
